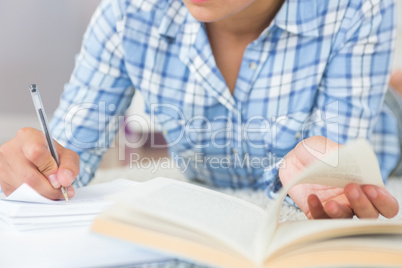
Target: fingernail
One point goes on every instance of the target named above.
(335, 210)
(70, 191)
(382, 191)
(371, 192)
(313, 202)
(354, 194)
(53, 181)
(68, 175)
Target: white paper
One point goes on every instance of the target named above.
(56, 233)
(26, 210)
(25, 193)
(92, 193)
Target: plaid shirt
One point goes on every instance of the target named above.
(320, 68)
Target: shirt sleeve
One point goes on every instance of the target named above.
(98, 93)
(351, 94)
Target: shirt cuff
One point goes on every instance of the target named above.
(88, 165)
(273, 183)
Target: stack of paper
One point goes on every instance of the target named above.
(26, 210)
(51, 230)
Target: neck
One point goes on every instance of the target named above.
(249, 23)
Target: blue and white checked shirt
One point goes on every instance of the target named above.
(320, 68)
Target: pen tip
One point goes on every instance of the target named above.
(64, 192)
(65, 196)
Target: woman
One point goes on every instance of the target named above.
(227, 80)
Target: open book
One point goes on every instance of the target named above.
(212, 228)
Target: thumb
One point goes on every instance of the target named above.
(314, 148)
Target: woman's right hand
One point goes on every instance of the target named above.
(26, 159)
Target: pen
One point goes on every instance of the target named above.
(40, 110)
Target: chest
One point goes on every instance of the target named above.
(274, 73)
(228, 55)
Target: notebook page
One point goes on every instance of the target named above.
(25, 193)
(25, 209)
(87, 194)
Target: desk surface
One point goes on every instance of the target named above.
(70, 248)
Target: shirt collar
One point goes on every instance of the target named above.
(174, 17)
(299, 17)
(295, 16)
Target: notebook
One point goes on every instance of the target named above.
(39, 232)
(25, 210)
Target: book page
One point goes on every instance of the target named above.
(356, 163)
(291, 234)
(362, 251)
(227, 219)
(127, 215)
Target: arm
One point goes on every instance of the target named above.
(355, 81)
(356, 78)
(98, 94)
(99, 80)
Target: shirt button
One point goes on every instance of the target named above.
(298, 135)
(234, 151)
(164, 132)
(252, 65)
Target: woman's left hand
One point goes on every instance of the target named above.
(320, 202)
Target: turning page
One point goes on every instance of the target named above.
(356, 163)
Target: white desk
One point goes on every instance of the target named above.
(70, 248)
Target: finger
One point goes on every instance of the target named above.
(43, 187)
(39, 183)
(16, 166)
(316, 209)
(382, 200)
(70, 192)
(36, 151)
(7, 183)
(359, 202)
(6, 179)
(69, 165)
(337, 211)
